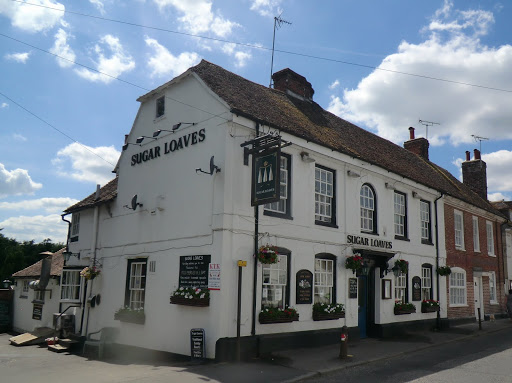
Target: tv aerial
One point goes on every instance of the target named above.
(480, 139)
(427, 124)
(278, 21)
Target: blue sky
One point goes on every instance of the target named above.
(70, 77)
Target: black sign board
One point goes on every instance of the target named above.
(352, 288)
(416, 289)
(194, 271)
(266, 169)
(5, 315)
(197, 345)
(304, 287)
(37, 311)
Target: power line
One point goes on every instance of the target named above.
(253, 46)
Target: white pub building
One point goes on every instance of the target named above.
(178, 216)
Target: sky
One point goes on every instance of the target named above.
(71, 71)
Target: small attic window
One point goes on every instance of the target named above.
(160, 107)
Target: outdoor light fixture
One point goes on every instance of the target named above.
(6, 283)
(141, 138)
(157, 133)
(389, 186)
(69, 254)
(306, 158)
(365, 270)
(178, 125)
(353, 174)
(125, 146)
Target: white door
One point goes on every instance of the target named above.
(478, 297)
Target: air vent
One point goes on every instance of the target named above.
(152, 266)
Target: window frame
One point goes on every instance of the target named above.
(395, 215)
(75, 227)
(39, 296)
(128, 291)
(492, 288)
(78, 286)
(283, 254)
(373, 212)
(458, 214)
(24, 288)
(399, 286)
(490, 238)
(159, 107)
(426, 240)
(332, 222)
(451, 302)
(425, 267)
(328, 258)
(287, 214)
(476, 234)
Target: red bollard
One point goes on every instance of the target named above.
(344, 343)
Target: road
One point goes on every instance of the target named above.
(480, 359)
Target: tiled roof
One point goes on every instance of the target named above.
(502, 205)
(34, 271)
(107, 193)
(306, 119)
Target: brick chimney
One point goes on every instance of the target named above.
(474, 174)
(418, 146)
(293, 83)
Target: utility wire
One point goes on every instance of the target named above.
(269, 49)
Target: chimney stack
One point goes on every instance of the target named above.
(418, 146)
(474, 174)
(293, 83)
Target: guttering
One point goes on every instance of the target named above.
(438, 319)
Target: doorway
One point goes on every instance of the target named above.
(366, 303)
(478, 295)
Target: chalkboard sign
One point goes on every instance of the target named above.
(352, 288)
(194, 271)
(416, 289)
(37, 311)
(304, 287)
(197, 346)
(5, 315)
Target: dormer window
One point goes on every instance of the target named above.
(160, 107)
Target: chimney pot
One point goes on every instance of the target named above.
(467, 155)
(477, 154)
(411, 133)
(126, 138)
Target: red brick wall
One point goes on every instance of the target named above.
(468, 259)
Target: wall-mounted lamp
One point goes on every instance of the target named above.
(6, 284)
(306, 158)
(68, 254)
(125, 146)
(365, 270)
(141, 138)
(389, 186)
(178, 125)
(415, 195)
(353, 174)
(157, 133)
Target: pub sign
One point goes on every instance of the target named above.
(265, 177)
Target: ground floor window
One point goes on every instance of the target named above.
(457, 287)
(492, 287)
(324, 279)
(275, 282)
(401, 288)
(136, 283)
(70, 285)
(426, 282)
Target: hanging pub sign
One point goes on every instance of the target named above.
(265, 177)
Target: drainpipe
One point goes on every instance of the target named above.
(438, 319)
(255, 270)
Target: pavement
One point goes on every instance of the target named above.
(283, 366)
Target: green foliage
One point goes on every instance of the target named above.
(15, 256)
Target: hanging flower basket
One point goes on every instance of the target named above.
(354, 262)
(402, 265)
(404, 308)
(328, 311)
(129, 315)
(90, 273)
(277, 315)
(429, 306)
(444, 270)
(191, 296)
(267, 254)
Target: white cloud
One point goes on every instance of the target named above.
(18, 57)
(99, 5)
(62, 49)
(240, 56)
(269, 8)
(87, 164)
(389, 102)
(497, 197)
(4, 105)
(37, 228)
(49, 205)
(499, 171)
(113, 66)
(16, 182)
(33, 18)
(334, 85)
(19, 137)
(163, 63)
(198, 16)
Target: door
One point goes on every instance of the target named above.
(478, 297)
(362, 297)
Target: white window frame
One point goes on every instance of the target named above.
(70, 286)
(458, 229)
(476, 235)
(39, 295)
(425, 221)
(280, 206)
(400, 214)
(367, 208)
(324, 195)
(137, 284)
(324, 281)
(75, 224)
(157, 115)
(426, 283)
(401, 288)
(24, 288)
(458, 287)
(274, 283)
(490, 238)
(492, 287)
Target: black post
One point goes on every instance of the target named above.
(239, 313)
(344, 343)
(479, 319)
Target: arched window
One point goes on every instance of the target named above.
(368, 205)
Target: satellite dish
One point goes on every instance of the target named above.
(135, 203)
(212, 166)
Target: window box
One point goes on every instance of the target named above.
(404, 308)
(429, 309)
(197, 302)
(130, 316)
(277, 315)
(328, 316)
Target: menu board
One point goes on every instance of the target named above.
(194, 271)
(352, 288)
(197, 346)
(304, 287)
(37, 311)
(416, 289)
